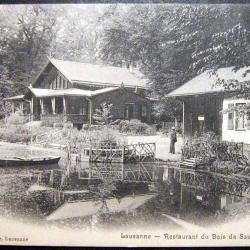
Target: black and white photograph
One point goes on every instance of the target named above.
(125, 124)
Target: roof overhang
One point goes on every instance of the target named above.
(15, 98)
(43, 93)
(225, 92)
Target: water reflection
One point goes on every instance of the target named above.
(105, 195)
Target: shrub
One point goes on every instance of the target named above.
(58, 125)
(68, 125)
(15, 119)
(2, 123)
(47, 123)
(16, 134)
(136, 127)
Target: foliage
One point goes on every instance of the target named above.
(172, 44)
(77, 138)
(17, 133)
(136, 127)
(102, 115)
(209, 148)
(31, 33)
(15, 119)
(167, 109)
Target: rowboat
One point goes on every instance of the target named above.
(18, 161)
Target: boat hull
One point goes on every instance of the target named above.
(35, 162)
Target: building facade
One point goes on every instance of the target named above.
(66, 91)
(207, 105)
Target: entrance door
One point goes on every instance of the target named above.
(201, 124)
(129, 111)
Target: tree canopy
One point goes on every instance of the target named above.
(169, 43)
(173, 43)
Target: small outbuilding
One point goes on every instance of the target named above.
(205, 103)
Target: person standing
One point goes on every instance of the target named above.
(173, 140)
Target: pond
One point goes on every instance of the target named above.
(103, 195)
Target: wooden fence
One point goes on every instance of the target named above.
(140, 152)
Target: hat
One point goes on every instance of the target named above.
(173, 128)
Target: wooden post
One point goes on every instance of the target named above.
(53, 103)
(21, 107)
(31, 106)
(13, 107)
(123, 152)
(90, 111)
(64, 105)
(90, 153)
(181, 198)
(183, 120)
(51, 179)
(41, 104)
(154, 149)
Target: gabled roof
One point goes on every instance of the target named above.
(205, 83)
(85, 73)
(70, 92)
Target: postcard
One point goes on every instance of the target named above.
(125, 124)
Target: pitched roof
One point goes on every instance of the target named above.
(13, 98)
(70, 92)
(77, 72)
(206, 83)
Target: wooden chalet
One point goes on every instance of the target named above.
(71, 92)
(204, 101)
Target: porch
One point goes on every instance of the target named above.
(61, 109)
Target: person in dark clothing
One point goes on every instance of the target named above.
(173, 140)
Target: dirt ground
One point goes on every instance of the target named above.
(8, 150)
(162, 145)
(22, 150)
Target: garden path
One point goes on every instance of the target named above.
(162, 145)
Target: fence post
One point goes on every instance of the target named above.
(154, 150)
(123, 152)
(90, 153)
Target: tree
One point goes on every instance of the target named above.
(171, 44)
(102, 115)
(27, 33)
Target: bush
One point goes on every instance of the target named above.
(2, 123)
(16, 118)
(68, 125)
(47, 123)
(58, 125)
(136, 127)
(16, 134)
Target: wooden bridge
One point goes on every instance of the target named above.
(110, 153)
(213, 182)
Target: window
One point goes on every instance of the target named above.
(230, 117)
(240, 119)
(129, 111)
(144, 111)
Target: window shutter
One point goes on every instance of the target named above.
(230, 118)
(248, 121)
